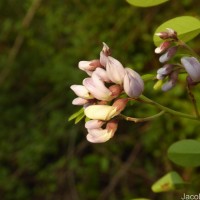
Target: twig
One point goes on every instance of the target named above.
(122, 171)
(19, 39)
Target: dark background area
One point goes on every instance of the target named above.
(45, 157)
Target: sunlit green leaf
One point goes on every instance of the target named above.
(170, 181)
(185, 153)
(76, 114)
(146, 3)
(187, 28)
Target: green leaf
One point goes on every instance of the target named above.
(185, 153)
(170, 181)
(187, 28)
(146, 3)
(79, 118)
(76, 114)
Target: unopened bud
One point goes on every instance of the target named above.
(115, 70)
(120, 104)
(104, 54)
(165, 70)
(169, 34)
(112, 125)
(133, 83)
(168, 55)
(164, 46)
(115, 90)
(173, 77)
(192, 66)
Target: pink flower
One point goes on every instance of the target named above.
(100, 135)
(133, 83)
(115, 70)
(79, 101)
(97, 88)
(89, 66)
(81, 91)
(94, 124)
(102, 74)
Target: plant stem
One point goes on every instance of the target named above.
(183, 44)
(193, 100)
(142, 119)
(166, 109)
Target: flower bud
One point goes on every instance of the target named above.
(120, 104)
(192, 66)
(165, 70)
(89, 66)
(101, 112)
(173, 77)
(79, 101)
(168, 55)
(133, 83)
(104, 54)
(115, 90)
(164, 46)
(169, 34)
(115, 70)
(81, 91)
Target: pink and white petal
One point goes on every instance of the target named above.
(94, 124)
(79, 101)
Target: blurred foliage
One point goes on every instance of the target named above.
(42, 156)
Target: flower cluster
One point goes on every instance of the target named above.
(100, 93)
(170, 71)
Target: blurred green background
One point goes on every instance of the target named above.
(45, 157)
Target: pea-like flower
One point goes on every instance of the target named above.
(102, 74)
(115, 70)
(101, 112)
(80, 101)
(97, 88)
(99, 135)
(133, 83)
(81, 91)
(89, 66)
(94, 124)
(192, 66)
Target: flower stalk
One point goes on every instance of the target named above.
(136, 120)
(168, 110)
